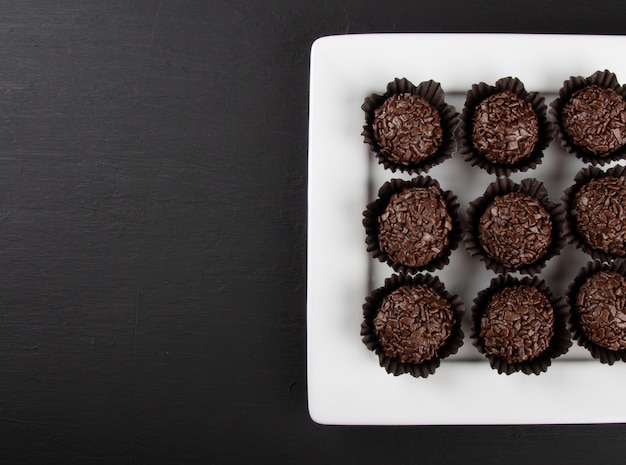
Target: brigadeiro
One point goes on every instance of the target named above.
(514, 227)
(410, 128)
(597, 299)
(596, 219)
(520, 325)
(412, 225)
(411, 323)
(591, 116)
(503, 128)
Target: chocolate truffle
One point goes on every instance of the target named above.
(601, 309)
(407, 129)
(415, 226)
(595, 120)
(597, 300)
(599, 215)
(410, 128)
(514, 227)
(505, 128)
(590, 113)
(412, 323)
(515, 230)
(520, 325)
(517, 324)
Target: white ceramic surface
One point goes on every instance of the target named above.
(346, 385)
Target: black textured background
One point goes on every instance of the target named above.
(153, 233)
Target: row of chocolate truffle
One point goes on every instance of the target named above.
(503, 128)
(414, 225)
(412, 322)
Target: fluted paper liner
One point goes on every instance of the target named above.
(605, 79)
(561, 338)
(377, 207)
(432, 92)
(502, 186)
(570, 230)
(370, 309)
(603, 354)
(474, 97)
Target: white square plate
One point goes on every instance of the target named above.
(346, 385)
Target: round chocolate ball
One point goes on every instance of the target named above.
(407, 129)
(601, 309)
(595, 119)
(599, 215)
(517, 324)
(412, 323)
(415, 226)
(505, 128)
(515, 230)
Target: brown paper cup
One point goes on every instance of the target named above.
(475, 96)
(604, 79)
(432, 92)
(603, 354)
(561, 339)
(371, 306)
(500, 187)
(570, 230)
(376, 208)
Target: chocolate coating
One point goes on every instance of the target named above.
(601, 309)
(595, 119)
(598, 211)
(407, 129)
(412, 323)
(415, 226)
(515, 230)
(517, 324)
(505, 128)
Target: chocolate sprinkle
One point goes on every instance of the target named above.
(598, 211)
(595, 119)
(601, 309)
(415, 226)
(517, 324)
(515, 230)
(505, 128)
(413, 322)
(407, 129)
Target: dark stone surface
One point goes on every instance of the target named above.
(153, 234)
